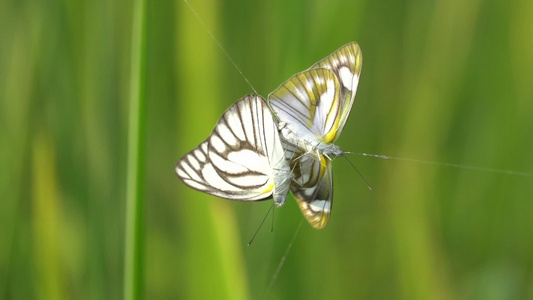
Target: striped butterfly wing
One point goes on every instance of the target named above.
(197, 172)
(309, 106)
(316, 105)
(312, 185)
(243, 159)
(313, 188)
(346, 63)
(312, 108)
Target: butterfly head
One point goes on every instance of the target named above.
(279, 200)
(328, 150)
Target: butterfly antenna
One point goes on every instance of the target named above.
(360, 175)
(261, 225)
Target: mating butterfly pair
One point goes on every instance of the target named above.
(262, 149)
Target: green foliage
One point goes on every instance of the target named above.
(442, 81)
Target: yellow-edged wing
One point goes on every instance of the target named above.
(313, 189)
(309, 105)
(316, 103)
(312, 108)
(346, 63)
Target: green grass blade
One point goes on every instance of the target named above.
(134, 249)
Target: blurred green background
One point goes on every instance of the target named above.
(442, 81)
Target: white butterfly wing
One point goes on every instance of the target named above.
(309, 105)
(316, 103)
(346, 63)
(312, 108)
(313, 189)
(197, 171)
(243, 159)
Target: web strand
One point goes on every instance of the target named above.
(451, 165)
(282, 261)
(219, 45)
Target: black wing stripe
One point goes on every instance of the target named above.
(209, 169)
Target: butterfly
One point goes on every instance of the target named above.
(247, 159)
(243, 158)
(311, 109)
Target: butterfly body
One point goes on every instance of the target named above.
(316, 146)
(281, 176)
